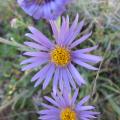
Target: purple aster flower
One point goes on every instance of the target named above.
(57, 58)
(65, 107)
(48, 9)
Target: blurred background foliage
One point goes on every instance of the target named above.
(19, 100)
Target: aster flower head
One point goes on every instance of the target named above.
(57, 58)
(48, 9)
(65, 107)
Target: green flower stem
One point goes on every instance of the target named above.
(14, 43)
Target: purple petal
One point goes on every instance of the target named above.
(66, 80)
(84, 100)
(47, 10)
(36, 46)
(87, 57)
(50, 111)
(90, 112)
(41, 72)
(63, 102)
(48, 106)
(33, 65)
(75, 22)
(66, 97)
(49, 76)
(45, 117)
(83, 118)
(52, 101)
(63, 31)
(39, 81)
(74, 97)
(41, 36)
(38, 12)
(87, 116)
(29, 9)
(75, 74)
(71, 79)
(76, 32)
(79, 41)
(67, 22)
(72, 29)
(54, 28)
(61, 81)
(59, 99)
(36, 39)
(37, 54)
(30, 60)
(55, 81)
(86, 50)
(83, 64)
(83, 108)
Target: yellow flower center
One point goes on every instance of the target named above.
(68, 114)
(60, 56)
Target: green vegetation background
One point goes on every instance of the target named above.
(18, 98)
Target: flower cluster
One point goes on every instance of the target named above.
(58, 59)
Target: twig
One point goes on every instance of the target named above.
(97, 76)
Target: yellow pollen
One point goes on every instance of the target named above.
(60, 56)
(68, 114)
